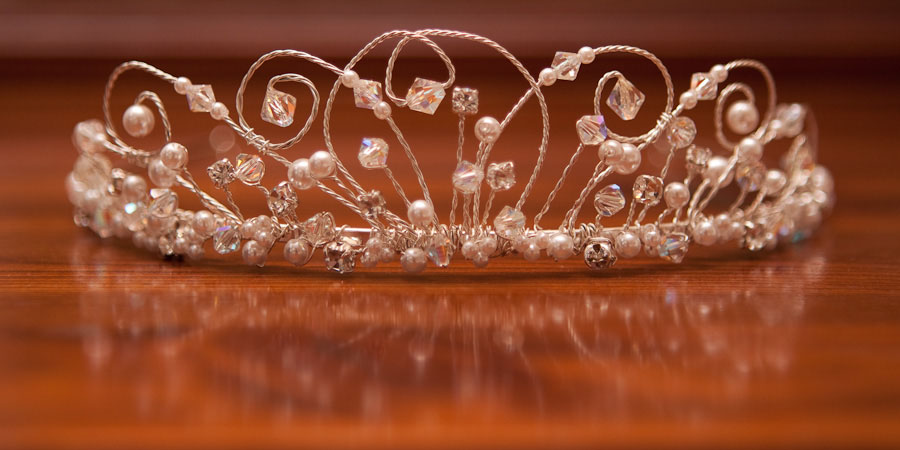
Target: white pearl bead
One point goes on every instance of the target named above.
(628, 245)
(134, 188)
(631, 160)
(218, 111)
(174, 156)
(386, 254)
(543, 239)
(369, 258)
(182, 84)
(299, 175)
(561, 246)
(297, 251)
(413, 260)
(382, 110)
(469, 249)
(611, 149)
(321, 164)
(705, 233)
(715, 168)
(749, 149)
(195, 251)
(586, 55)
(719, 73)
(688, 99)
(735, 230)
(349, 78)
(487, 129)
(420, 213)
(480, 260)
(204, 223)
(676, 194)
(532, 251)
(776, 126)
(266, 237)
(138, 120)
(159, 174)
(547, 77)
(722, 221)
(775, 181)
(742, 117)
(254, 254)
(650, 235)
(487, 245)
(181, 245)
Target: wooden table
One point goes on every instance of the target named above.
(106, 346)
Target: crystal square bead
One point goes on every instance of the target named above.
(625, 99)
(371, 203)
(226, 238)
(367, 94)
(599, 254)
(438, 250)
(425, 95)
(278, 108)
(200, 97)
(164, 202)
(674, 247)
(566, 65)
(339, 257)
(282, 199)
(501, 176)
(704, 85)
(681, 132)
(609, 200)
(249, 169)
(373, 153)
(591, 129)
(647, 189)
(509, 223)
(465, 101)
(467, 177)
(221, 173)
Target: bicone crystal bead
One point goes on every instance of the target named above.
(704, 85)
(674, 247)
(647, 189)
(591, 129)
(696, 158)
(200, 97)
(221, 173)
(367, 94)
(566, 65)
(609, 200)
(339, 257)
(226, 238)
(371, 203)
(373, 153)
(625, 99)
(599, 254)
(438, 248)
(501, 176)
(465, 101)
(467, 177)
(249, 169)
(750, 175)
(425, 95)
(509, 223)
(164, 202)
(681, 132)
(282, 199)
(278, 108)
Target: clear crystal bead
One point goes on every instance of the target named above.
(339, 257)
(438, 248)
(200, 97)
(674, 247)
(164, 202)
(367, 94)
(704, 85)
(373, 153)
(591, 129)
(625, 99)
(133, 216)
(282, 199)
(92, 170)
(467, 177)
(371, 203)
(249, 169)
(792, 117)
(221, 173)
(681, 132)
(85, 133)
(319, 228)
(102, 221)
(599, 254)
(425, 95)
(116, 180)
(278, 108)
(750, 175)
(609, 200)
(501, 176)
(509, 222)
(566, 65)
(226, 238)
(696, 158)
(756, 235)
(465, 100)
(647, 189)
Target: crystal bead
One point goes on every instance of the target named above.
(755, 236)
(164, 202)
(371, 203)
(566, 65)
(681, 132)
(674, 247)
(226, 238)
(696, 158)
(93, 171)
(373, 153)
(609, 200)
(221, 173)
(102, 221)
(467, 177)
(133, 217)
(647, 189)
(319, 228)
(625, 99)
(591, 129)
(200, 97)
(704, 85)
(249, 169)
(509, 222)
(85, 135)
(465, 101)
(750, 175)
(339, 257)
(792, 117)
(116, 181)
(425, 95)
(599, 254)
(501, 176)
(282, 199)
(278, 108)
(367, 94)
(438, 248)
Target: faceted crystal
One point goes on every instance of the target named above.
(116, 180)
(609, 200)
(85, 134)
(591, 129)
(367, 94)
(250, 169)
(465, 101)
(278, 108)
(319, 228)
(425, 95)
(792, 117)
(221, 173)
(438, 248)
(509, 223)
(674, 247)
(102, 221)
(371, 203)
(647, 189)
(467, 177)
(697, 158)
(200, 97)
(755, 236)
(501, 176)
(625, 99)
(566, 65)
(226, 238)
(164, 202)
(339, 257)
(92, 170)
(681, 132)
(704, 85)
(750, 175)
(373, 153)
(133, 216)
(282, 199)
(599, 254)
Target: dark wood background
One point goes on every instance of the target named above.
(106, 346)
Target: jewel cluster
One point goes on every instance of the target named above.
(773, 204)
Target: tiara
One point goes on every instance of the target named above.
(661, 219)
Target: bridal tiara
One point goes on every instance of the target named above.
(662, 217)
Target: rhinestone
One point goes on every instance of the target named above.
(438, 250)
(200, 97)
(647, 189)
(509, 222)
(501, 176)
(373, 153)
(609, 200)
(566, 65)
(250, 169)
(371, 203)
(221, 173)
(704, 85)
(367, 94)
(467, 177)
(697, 158)
(681, 132)
(226, 238)
(339, 257)
(278, 108)
(591, 129)
(599, 254)
(674, 247)
(625, 99)
(465, 101)
(319, 228)
(750, 176)
(164, 202)
(425, 95)
(282, 199)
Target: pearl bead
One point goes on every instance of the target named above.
(612, 150)
(138, 120)
(561, 246)
(532, 251)
(776, 126)
(369, 258)
(299, 176)
(631, 160)
(586, 55)
(742, 117)
(480, 260)
(174, 156)
(204, 223)
(195, 251)
(266, 237)
(321, 164)
(688, 99)
(181, 245)
(749, 150)
(487, 245)
(774, 182)
(420, 213)
(650, 235)
(722, 221)
(735, 230)
(676, 194)
(547, 77)
(386, 254)
(134, 188)
(719, 73)
(182, 84)
(543, 239)
(716, 168)
(628, 245)
(705, 233)
(297, 251)
(349, 78)
(159, 174)
(254, 254)
(413, 260)
(487, 129)
(382, 110)
(218, 111)
(469, 249)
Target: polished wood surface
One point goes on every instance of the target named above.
(106, 346)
